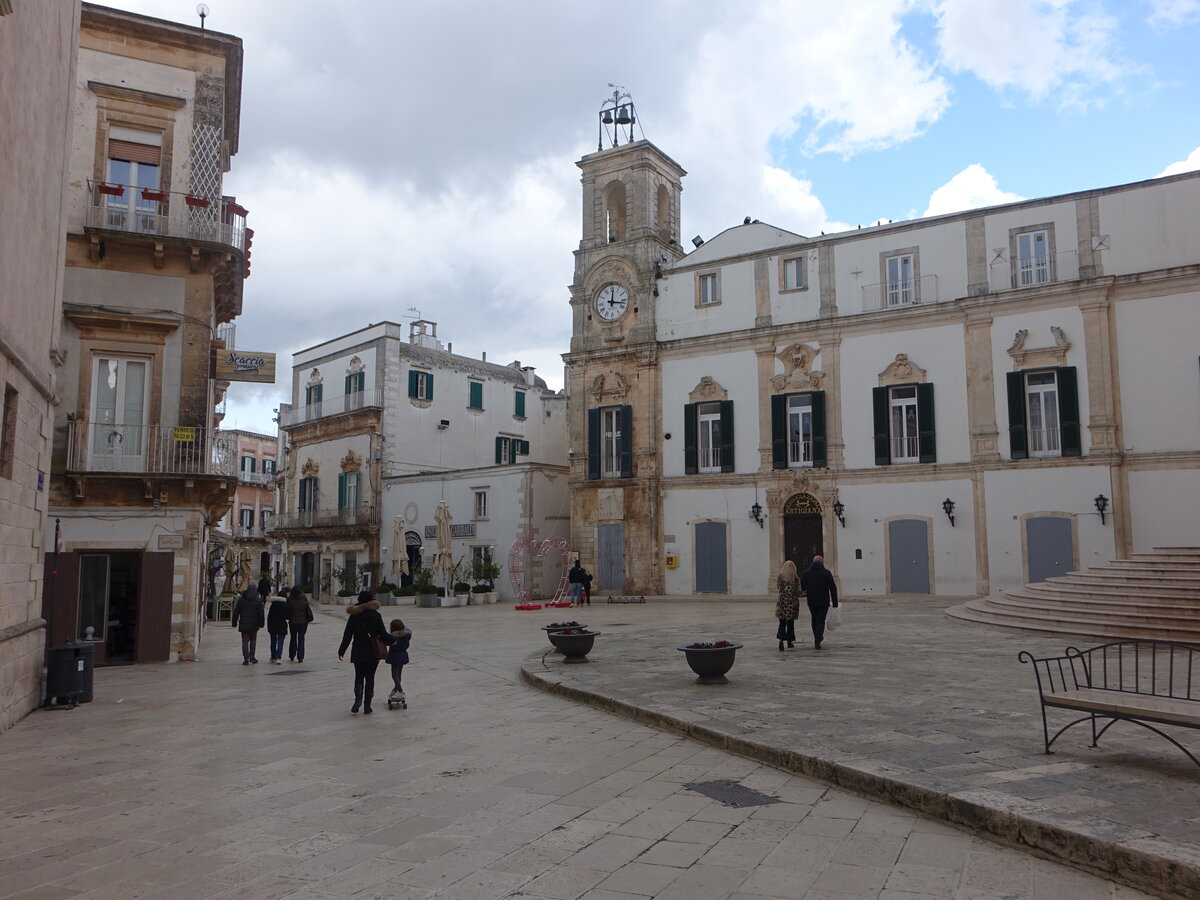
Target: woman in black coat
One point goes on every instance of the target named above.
(364, 623)
(817, 582)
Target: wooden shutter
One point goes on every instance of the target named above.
(593, 443)
(726, 435)
(513, 445)
(412, 383)
(308, 396)
(134, 152)
(154, 607)
(625, 417)
(523, 448)
(499, 450)
(1018, 441)
(689, 439)
(779, 435)
(341, 490)
(318, 391)
(428, 385)
(819, 457)
(475, 395)
(519, 403)
(926, 430)
(1068, 412)
(879, 407)
(349, 384)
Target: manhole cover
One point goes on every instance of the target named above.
(731, 793)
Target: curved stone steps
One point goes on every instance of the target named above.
(1149, 595)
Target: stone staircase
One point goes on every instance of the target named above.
(1150, 595)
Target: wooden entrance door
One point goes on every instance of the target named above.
(711, 558)
(610, 557)
(1050, 546)
(803, 530)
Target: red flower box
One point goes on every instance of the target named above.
(157, 196)
(112, 190)
(236, 209)
(197, 202)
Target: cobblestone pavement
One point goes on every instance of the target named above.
(212, 779)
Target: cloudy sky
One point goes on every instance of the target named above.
(419, 154)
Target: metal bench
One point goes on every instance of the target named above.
(1142, 682)
(612, 599)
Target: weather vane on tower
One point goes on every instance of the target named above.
(617, 118)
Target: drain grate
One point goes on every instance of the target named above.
(731, 793)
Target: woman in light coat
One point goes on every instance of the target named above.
(788, 605)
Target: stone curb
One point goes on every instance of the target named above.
(1150, 869)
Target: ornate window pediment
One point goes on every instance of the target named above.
(315, 377)
(798, 373)
(309, 468)
(613, 386)
(356, 366)
(707, 389)
(351, 462)
(902, 370)
(1037, 357)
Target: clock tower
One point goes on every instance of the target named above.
(631, 194)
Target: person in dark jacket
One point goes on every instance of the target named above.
(264, 588)
(364, 623)
(299, 615)
(817, 582)
(398, 655)
(248, 617)
(575, 582)
(277, 627)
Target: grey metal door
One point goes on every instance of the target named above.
(908, 542)
(1051, 550)
(610, 553)
(711, 563)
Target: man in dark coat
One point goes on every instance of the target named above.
(249, 615)
(817, 582)
(575, 579)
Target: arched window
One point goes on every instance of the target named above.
(615, 211)
(662, 212)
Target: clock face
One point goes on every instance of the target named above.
(611, 302)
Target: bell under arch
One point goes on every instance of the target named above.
(615, 211)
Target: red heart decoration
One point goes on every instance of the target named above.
(516, 563)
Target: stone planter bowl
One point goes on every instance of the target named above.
(574, 647)
(711, 663)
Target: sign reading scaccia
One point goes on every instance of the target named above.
(246, 365)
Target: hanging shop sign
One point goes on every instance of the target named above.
(246, 365)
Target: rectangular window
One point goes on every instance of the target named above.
(312, 398)
(610, 442)
(800, 430)
(306, 501)
(269, 467)
(899, 280)
(903, 427)
(475, 395)
(1041, 398)
(481, 508)
(348, 497)
(248, 465)
(420, 385)
(134, 160)
(1033, 258)
(519, 404)
(93, 596)
(8, 432)
(119, 397)
(480, 555)
(708, 421)
(265, 519)
(246, 518)
(356, 382)
(506, 451)
(793, 273)
(708, 290)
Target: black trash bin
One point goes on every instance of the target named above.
(69, 673)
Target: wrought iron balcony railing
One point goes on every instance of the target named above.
(900, 292)
(334, 405)
(1006, 274)
(150, 449)
(326, 518)
(126, 207)
(256, 477)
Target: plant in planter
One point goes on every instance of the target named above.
(559, 627)
(427, 594)
(710, 660)
(484, 573)
(575, 643)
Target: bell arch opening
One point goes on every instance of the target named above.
(615, 211)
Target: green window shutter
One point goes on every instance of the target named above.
(350, 384)
(519, 404)
(412, 383)
(499, 450)
(926, 430)
(318, 392)
(475, 395)
(429, 386)
(819, 459)
(689, 439)
(308, 396)
(341, 490)
(362, 381)
(879, 408)
(1068, 412)
(593, 443)
(523, 448)
(1018, 441)
(779, 435)
(726, 435)
(513, 446)
(626, 419)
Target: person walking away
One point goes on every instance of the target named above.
(398, 655)
(817, 582)
(364, 623)
(787, 608)
(587, 587)
(264, 587)
(248, 617)
(277, 627)
(575, 580)
(299, 615)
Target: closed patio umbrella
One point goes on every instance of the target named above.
(443, 560)
(399, 548)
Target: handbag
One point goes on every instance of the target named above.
(834, 619)
(308, 613)
(378, 648)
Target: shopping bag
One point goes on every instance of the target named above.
(834, 619)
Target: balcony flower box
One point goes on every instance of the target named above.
(236, 209)
(155, 196)
(710, 660)
(197, 202)
(112, 190)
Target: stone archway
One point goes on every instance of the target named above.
(803, 529)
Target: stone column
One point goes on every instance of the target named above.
(981, 392)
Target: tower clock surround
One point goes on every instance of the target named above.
(612, 302)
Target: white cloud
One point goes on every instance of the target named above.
(1166, 14)
(1191, 164)
(972, 188)
(1059, 50)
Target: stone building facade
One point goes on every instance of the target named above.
(37, 61)
(943, 406)
(243, 549)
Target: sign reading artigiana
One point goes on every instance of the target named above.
(246, 365)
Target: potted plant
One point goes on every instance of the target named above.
(484, 573)
(575, 643)
(710, 660)
(559, 627)
(427, 594)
